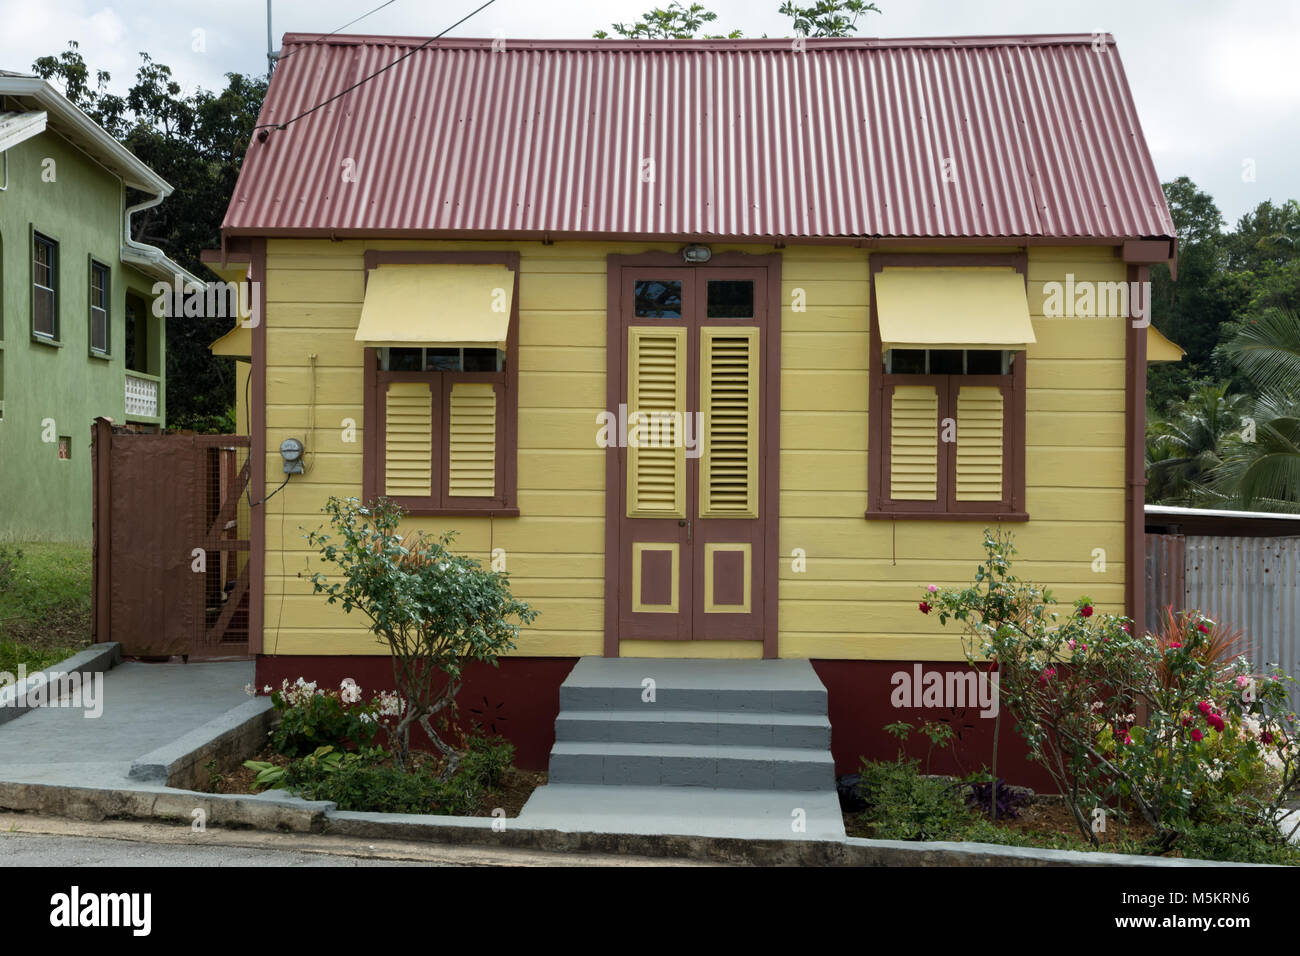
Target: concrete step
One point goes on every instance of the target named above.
(687, 811)
(650, 724)
(691, 765)
(782, 687)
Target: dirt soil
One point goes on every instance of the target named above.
(516, 785)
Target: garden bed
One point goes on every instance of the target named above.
(509, 794)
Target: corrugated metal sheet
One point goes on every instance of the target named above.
(965, 137)
(1250, 583)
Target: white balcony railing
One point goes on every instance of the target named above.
(141, 397)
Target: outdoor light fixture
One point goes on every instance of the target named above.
(291, 452)
(697, 254)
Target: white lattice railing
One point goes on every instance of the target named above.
(141, 397)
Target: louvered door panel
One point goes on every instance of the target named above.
(729, 393)
(656, 455)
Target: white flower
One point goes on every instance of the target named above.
(266, 689)
(248, 689)
(349, 692)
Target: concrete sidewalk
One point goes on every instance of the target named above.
(145, 708)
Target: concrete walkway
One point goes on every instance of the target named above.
(145, 707)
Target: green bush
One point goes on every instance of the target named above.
(904, 805)
(487, 759)
(368, 781)
(312, 717)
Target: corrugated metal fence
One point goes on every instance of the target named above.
(1250, 583)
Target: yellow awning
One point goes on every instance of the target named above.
(952, 308)
(1161, 349)
(453, 305)
(237, 343)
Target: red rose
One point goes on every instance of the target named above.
(1215, 721)
(1204, 707)
(924, 607)
(1197, 735)
(1266, 737)
(1086, 610)
(1175, 643)
(1203, 628)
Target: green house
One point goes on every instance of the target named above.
(80, 336)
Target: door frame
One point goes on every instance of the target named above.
(766, 582)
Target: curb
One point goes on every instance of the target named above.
(93, 660)
(180, 763)
(291, 814)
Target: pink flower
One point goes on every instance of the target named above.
(1242, 680)
(932, 589)
(1047, 675)
(924, 607)
(1070, 643)
(1127, 738)
(1197, 735)
(1126, 630)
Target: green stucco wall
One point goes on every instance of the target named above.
(41, 496)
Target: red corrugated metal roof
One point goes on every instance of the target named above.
(970, 137)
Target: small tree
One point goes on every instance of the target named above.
(433, 610)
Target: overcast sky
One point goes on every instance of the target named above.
(1217, 82)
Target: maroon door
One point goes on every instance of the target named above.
(692, 489)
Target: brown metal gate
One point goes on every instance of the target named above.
(171, 542)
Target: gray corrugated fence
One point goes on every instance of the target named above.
(1250, 583)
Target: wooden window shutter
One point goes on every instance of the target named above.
(729, 396)
(656, 471)
(408, 440)
(472, 440)
(981, 413)
(914, 443)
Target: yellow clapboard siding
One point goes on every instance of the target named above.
(1075, 428)
(979, 443)
(914, 443)
(729, 403)
(824, 350)
(656, 459)
(472, 440)
(692, 650)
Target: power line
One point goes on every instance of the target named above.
(367, 79)
(386, 3)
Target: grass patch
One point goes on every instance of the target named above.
(45, 603)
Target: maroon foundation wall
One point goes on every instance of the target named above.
(862, 696)
(520, 699)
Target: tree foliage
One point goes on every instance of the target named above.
(824, 18)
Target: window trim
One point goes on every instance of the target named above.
(879, 505)
(107, 351)
(54, 339)
(505, 504)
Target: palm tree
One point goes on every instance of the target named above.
(1262, 470)
(1186, 449)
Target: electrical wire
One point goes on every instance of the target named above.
(326, 36)
(366, 79)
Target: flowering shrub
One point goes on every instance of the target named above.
(434, 611)
(1120, 721)
(312, 717)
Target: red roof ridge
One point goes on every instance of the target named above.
(754, 43)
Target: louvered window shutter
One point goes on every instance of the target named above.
(979, 468)
(472, 440)
(656, 463)
(408, 440)
(914, 443)
(729, 396)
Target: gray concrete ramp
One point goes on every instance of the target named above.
(145, 707)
